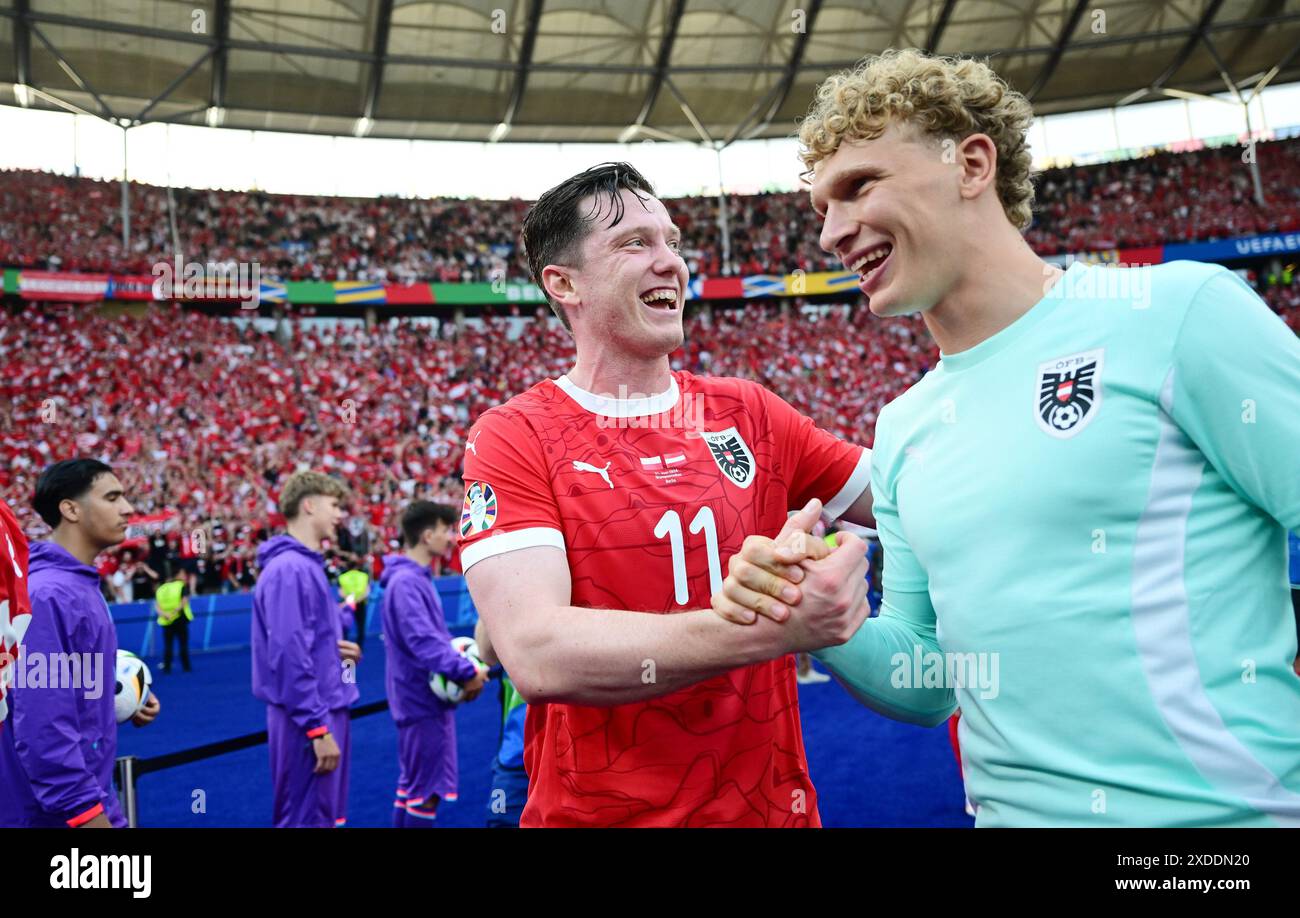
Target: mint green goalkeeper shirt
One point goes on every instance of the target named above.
(1084, 524)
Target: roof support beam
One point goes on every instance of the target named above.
(104, 109)
(660, 71)
(754, 109)
(480, 64)
(1223, 69)
(215, 47)
(688, 112)
(936, 31)
(171, 87)
(217, 95)
(1044, 75)
(525, 63)
(1189, 46)
(763, 101)
(182, 117)
(1274, 71)
(60, 103)
(664, 135)
(383, 20)
(791, 69)
(123, 28)
(22, 44)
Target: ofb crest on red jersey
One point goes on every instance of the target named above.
(733, 456)
(1069, 393)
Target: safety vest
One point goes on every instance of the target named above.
(171, 603)
(355, 584)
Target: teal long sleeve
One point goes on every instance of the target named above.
(877, 664)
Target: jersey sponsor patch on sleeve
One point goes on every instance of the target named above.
(479, 511)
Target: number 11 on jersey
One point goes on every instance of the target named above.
(670, 524)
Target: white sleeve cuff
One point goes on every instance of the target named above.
(859, 481)
(509, 541)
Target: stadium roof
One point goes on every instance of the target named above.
(599, 70)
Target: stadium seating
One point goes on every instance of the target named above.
(73, 224)
(202, 416)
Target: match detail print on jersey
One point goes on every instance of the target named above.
(1068, 393)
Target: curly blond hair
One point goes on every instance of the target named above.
(308, 484)
(943, 96)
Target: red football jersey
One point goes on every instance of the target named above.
(649, 498)
(15, 607)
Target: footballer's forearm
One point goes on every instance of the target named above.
(604, 657)
(877, 665)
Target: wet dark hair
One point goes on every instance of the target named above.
(68, 479)
(422, 515)
(554, 230)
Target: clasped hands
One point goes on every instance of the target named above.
(797, 580)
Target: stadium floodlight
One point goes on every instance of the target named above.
(498, 132)
(22, 94)
(362, 127)
(215, 116)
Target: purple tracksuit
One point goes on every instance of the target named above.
(58, 747)
(298, 673)
(417, 642)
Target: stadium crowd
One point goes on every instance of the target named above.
(1283, 295)
(73, 224)
(1167, 197)
(202, 418)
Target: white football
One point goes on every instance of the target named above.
(132, 688)
(444, 688)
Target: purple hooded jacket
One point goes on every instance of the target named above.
(57, 751)
(416, 641)
(296, 630)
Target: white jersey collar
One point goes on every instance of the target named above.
(613, 407)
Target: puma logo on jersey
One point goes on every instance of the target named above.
(586, 467)
(471, 446)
